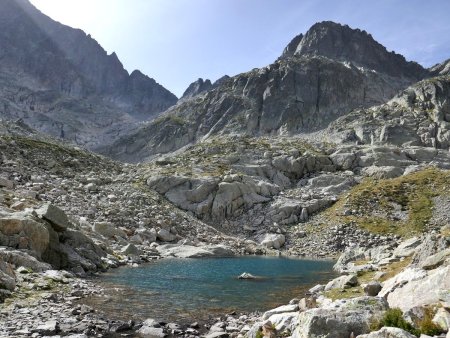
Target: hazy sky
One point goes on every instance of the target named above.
(178, 41)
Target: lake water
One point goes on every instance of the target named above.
(185, 289)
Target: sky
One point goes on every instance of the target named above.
(178, 41)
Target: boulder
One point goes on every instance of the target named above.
(436, 260)
(419, 291)
(330, 324)
(20, 231)
(274, 241)
(166, 236)
(402, 278)
(55, 216)
(342, 282)
(246, 275)
(382, 172)
(388, 332)
(442, 318)
(130, 250)
(219, 250)
(190, 251)
(407, 247)
(5, 183)
(148, 235)
(280, 309)
(372, 288)
(6, 281)
(108, 230)
(21, 258)
(350, 254)
(151, 332)
(49, 328)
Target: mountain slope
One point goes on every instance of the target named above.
(61, 81)
(317, 80)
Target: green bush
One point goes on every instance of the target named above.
(394, 318)
(428, 327)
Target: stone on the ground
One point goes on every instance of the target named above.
(274, 241)
(407, 247)
(372, 288)
(280, 309)
(388, 332)
(342, 282)
(108, 230)
(165, 235)
(151, 332)
(57, 217)
(131, 249)
(419, 291)
(442, 318)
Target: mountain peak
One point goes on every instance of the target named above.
(343, 43)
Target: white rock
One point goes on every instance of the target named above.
(280, 309)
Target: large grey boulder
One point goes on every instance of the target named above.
(340, 318)
(342, 282)
(388, 332)
(55, 216)
(273, 241)
(420, 290)
(279, 310)
(190, 251)
(330, 324)
(108, 230)
(166, 236)
(407, 247)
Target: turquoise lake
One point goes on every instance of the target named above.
(185, 289)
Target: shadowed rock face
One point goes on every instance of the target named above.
(61, 81)
(321, 76)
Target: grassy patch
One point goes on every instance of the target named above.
(335, 294)
(376, 204)
(395, 268)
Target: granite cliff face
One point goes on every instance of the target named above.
(417, 116)
(320, 77)
(61, 81)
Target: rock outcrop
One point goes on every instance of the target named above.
(301, 92)
(61, 81)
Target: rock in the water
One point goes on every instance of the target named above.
(246, 275)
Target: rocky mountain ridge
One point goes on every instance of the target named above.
(61, 81)
(303, 91)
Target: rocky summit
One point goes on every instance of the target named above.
(60, 81)
(337, 150)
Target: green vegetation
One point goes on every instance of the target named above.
(378, 202)
(427, 326)
(394, 318)
(335, 294)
